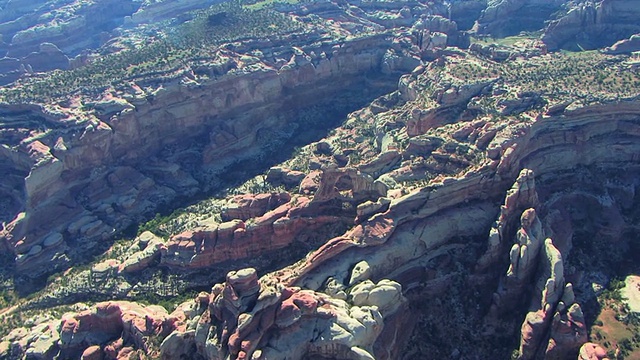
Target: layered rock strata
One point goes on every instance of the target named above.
(248, 319)
(503, 18)
(554, 327)
(107, 330)
(38, 39)
(625, 46)
(104, 151)
(593, 25)
(417, 230)
(81, 178)
(393, 234)
(506, 220)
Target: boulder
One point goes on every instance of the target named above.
(625, 46)
(283, 322)
(92, 353)
(591, 351)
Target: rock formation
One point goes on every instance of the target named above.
(558, 314)
(41, 39)
(45, 35)
(416, 229)
(121, 138)
(564, 326)
(447, 218)
(625, 46)
(591, 351)
(503, 18)
(226, 107)
(250, 319)
(592, 25)
(107, 330)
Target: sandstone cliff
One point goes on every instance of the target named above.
(91, 174)
(478, 199)
(249, 317)
(503, 18)
(592, 25)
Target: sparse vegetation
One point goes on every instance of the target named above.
(163, 55)
(260, 4)
(159, 225)
(584, 76)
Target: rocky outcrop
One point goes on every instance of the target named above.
(236, 240)
(434, 33)
(625, 46)
(112, 138)
(593, 25)
(245, 207)
(253, 230)
(417, 255)
(84, 177)
(490, 51)
(47, 58)
(503, 18)
(143, 253)
(559, 318)
(98, 332)
(522, 195)
(578, 25)
(465, 13)
(452, 101)
(246, 318)
(523, 255)
(555, 325)
(277, 314)
(71, 27)
(591, 351)
(157, 11)
(29, 33)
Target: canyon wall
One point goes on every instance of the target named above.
(592, 25)
(94, 173)
(402, 243)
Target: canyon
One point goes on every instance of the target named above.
(374, 184)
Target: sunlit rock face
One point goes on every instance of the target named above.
(98, 165)
(461, 214)
(403, 242)
(93, 174)
(593, 25)
(44, 35)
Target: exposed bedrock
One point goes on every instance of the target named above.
(554, 327)
(72, 26)
(272, 229)
(76, 25)
(583, 137)
(250, 319)
(510, 17)
(593, 25)
(418, 241)
(391, 287)
(39, 39)
(466, 12)
(625, 46)
(88, 176)
(109, 330)
(47, 34)
(579, 138)
(452, 101)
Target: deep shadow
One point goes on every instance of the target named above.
(305, 122)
